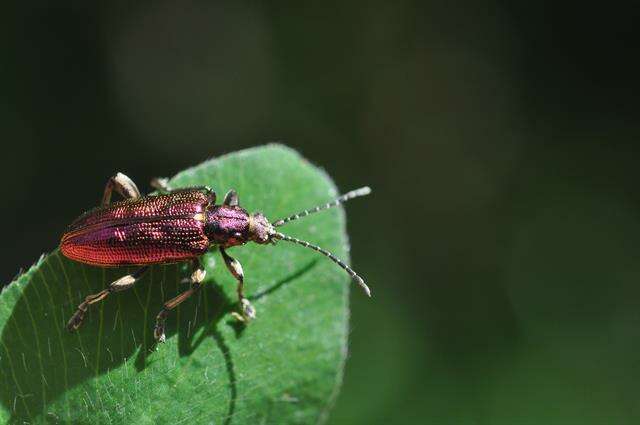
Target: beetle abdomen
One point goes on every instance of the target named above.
(154, 229)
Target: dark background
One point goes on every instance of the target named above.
(502, 238)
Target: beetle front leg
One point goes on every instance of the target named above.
(121, 184)
(121, 284)
(246, 309)
(196, 282)
(231, 198)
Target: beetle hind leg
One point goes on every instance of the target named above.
(125, 282)
(121, 184)
(197, 277)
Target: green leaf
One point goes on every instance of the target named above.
(284, 367)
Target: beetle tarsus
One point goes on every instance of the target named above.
(248, 312)
(158, 331)
(76, 320)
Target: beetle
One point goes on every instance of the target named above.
(175, 225)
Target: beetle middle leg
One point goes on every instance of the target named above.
(161, 184)
(196, 283)
(246, 309)
(121, 284)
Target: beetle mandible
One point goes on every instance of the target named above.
(176, 225)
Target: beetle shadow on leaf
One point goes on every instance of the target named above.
(40, 361)
(278, 285)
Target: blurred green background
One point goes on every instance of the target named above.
(501, 242)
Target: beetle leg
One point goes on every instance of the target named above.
(231, 198)
(123, 185)
(246, 309)
(125, 282)
(161, 184)
(196, 282)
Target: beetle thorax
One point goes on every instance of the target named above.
(227, 225)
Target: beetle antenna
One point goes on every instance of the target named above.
(354, 275)
(340, 200)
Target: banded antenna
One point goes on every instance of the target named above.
(340, 200)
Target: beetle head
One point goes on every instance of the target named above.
(260, 230)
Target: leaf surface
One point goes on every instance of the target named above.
(285, 367)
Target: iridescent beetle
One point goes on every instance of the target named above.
(177, 225)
